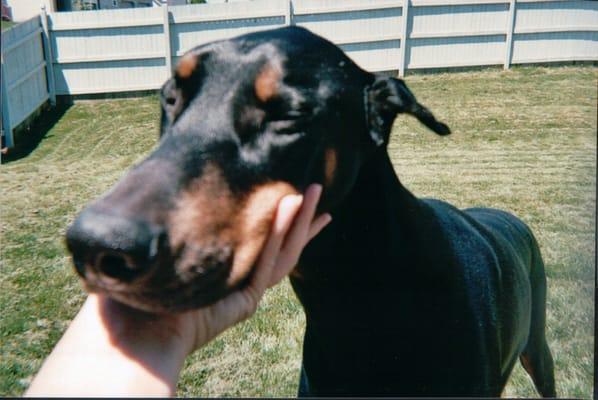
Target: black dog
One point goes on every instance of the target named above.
(402, 296)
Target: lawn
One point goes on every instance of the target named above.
(6, 24)
(523, 140)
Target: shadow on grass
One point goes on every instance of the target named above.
(29, 138)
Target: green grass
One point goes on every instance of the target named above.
(524, 140)
(6, 24)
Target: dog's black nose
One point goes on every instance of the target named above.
(114, 246)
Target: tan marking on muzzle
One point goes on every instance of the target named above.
(204, 214)
(254, 223)
(267, 82)
(330, 162)
(209, 215)
(186, 65)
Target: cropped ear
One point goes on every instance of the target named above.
(386, 98)
(179, 90)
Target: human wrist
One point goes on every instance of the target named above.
(156, 343)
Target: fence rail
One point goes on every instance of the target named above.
(134, 49)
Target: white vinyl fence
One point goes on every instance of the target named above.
(134, 49)
(24, 84)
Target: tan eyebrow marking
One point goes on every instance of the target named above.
(267, 82)
(186, 65)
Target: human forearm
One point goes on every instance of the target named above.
(104, 356)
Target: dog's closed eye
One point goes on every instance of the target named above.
(248, 122)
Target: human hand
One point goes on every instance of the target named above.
(112, 349)
(293, 227)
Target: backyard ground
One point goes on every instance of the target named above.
(523, 140)
(6, 24)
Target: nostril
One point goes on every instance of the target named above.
(118, 266)
(115, 246)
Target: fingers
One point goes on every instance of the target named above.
(317, 225)
(248, 299)
(296, 238)
(293, 226)
(287, 210)
(302, 231)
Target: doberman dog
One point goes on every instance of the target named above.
(402, 296)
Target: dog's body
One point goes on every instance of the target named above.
(414, 297)
(402, 296)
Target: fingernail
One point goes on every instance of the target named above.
(291, 200)
(297, 199)
(316, 188)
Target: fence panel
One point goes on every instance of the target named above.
(555, 31)
(555, 46)
(193, 25)
(24, 86)
(108, 50)
(556, 15)
(455, 52)
(456, 35)
(368, 31)
(458, 20)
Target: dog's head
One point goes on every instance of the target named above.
(244, 122)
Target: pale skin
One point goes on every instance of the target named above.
(112, 350)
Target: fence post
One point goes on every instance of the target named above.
(404, 37)
(48, 55)
(6, 123)
(166, 26)
(289, 14)
(509, 38)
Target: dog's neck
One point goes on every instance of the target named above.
(372, 240)
(372, 221)
(379, 196)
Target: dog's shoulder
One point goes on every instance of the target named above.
(469, 243)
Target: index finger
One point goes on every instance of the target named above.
(287, 209)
